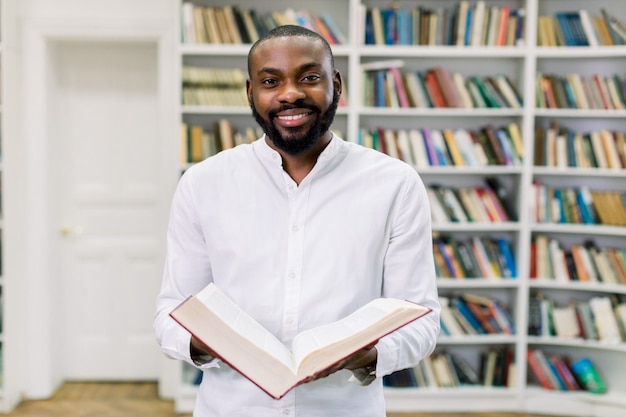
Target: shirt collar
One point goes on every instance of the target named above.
(270, 155)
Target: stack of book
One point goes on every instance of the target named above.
(445, 369)
(577, 205)
(385, 85)
(575, 91)
(460, 25)
(233, 25)
(580, 28)
(580, 262)
(472, 314)
(563, 147)
(601, 318)
(557, 372)
(479, 257)
(198, 142)
(467, 204)
(204, 86)
(426, 147)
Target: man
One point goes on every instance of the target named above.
(299, 228)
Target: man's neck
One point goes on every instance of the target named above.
(299, 166)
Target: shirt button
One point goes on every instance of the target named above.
(296, 228)
(286, 411)
(292, 275)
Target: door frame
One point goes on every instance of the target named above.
(42, 375)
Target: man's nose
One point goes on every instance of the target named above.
(291, 92)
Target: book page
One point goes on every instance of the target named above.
(244, 324)
(326, 335)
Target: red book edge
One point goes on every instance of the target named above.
(300, 382)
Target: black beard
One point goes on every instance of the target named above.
(297, 144)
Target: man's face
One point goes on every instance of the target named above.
(293, 92)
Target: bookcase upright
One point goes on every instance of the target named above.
(10, 388)
(520, 63)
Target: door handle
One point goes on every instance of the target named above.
(71, 230)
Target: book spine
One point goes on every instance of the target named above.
(588, 376)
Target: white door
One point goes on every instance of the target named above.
(106, 191)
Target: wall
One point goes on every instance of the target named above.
(41, 375)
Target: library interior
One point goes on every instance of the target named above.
(512, 112)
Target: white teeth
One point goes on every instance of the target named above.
(296, 117)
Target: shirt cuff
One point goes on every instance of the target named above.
(387, 360)
(363, 376)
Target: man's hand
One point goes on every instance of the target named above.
(367, 356)
(199, 353)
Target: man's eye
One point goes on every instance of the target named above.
(269, 82)
(311, 78)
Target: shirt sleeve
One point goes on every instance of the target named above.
(409, 273)
(187, 270)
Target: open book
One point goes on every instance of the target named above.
(257, 354)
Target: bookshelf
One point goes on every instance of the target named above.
(9, 348)
(2, 118)
(521, 63)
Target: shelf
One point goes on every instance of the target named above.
(459, 399)
(487, 171)
(585, 52)
(479, 283)
(577, 343)
(478, 340)
(439, 112)
(576, 113)
(476, 227)
(578, 229)
(577, 286)
(521, 63)
(542, 394)
(239, 50)
(441, 51)
(231, 110)
(583, 172)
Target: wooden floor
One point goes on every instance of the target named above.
(140, 399)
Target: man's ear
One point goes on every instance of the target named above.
(249, 91)
(337, 82)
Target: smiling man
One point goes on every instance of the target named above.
(299, 228)
(293, 91)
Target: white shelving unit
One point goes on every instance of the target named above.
(2, 83)
(9, 345)
(521, 64)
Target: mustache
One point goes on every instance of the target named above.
(272, 113)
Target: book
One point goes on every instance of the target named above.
(588, 29)
(604, 318)
(444, 372)
(398, 83)
(477, 24)
(402, 378)
(466, 374)
(603, 31)
(240, 341)
(565, 373)
(565, 322)
(448, 89)
(538, 371)
(588, 376)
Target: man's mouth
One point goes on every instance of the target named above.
(293, 117)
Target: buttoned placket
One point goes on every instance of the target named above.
(297, 200)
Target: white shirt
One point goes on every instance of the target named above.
(298, 256)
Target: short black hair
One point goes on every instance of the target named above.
(291, 30)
